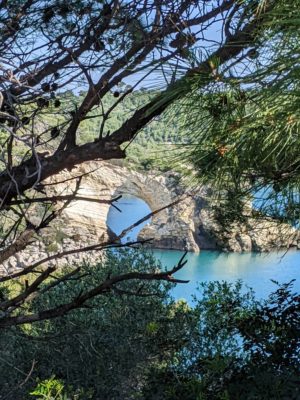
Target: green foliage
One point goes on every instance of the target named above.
(241, 349)
(103, 348)
(54, 389)
(150, 147)
(245, 126)
(49, 389)
(228, 346)
(146, 151)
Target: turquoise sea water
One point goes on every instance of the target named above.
(256, 270)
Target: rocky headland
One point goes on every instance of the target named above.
(190, 224)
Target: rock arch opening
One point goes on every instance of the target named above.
(133, 208)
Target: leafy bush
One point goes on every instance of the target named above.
(228, 346)
(105, 347)
(240, 349)
(53, 389)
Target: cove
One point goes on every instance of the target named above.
(255, 270)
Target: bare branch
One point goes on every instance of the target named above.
(103, 288)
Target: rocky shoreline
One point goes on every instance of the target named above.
(190, 225)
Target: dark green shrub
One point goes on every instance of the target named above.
(240, 349)
(228, 346)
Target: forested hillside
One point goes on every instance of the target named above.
(143, 151)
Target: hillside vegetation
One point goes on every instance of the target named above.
(154, 146)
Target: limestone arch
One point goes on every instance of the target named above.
(110, 181)
(171, 228)
(148, 189)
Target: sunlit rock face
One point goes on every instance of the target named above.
(171, 228)
(189, 225)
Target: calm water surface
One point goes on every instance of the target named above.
(256, 270)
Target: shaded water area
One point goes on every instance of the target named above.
(255, 270)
